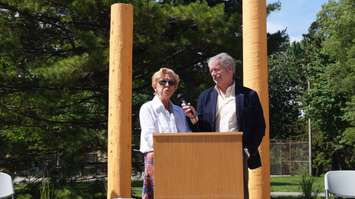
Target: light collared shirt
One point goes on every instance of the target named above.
(154, 118)
(226, 117)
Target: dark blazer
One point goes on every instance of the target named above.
(250, 118)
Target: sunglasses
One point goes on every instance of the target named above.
(163, 82)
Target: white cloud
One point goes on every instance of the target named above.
(274, 27)
(295, 38)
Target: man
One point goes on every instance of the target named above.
(228, 107)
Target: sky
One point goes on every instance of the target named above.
(295, 15)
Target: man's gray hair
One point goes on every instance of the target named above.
(224, 59)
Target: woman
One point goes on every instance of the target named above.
(159, 115)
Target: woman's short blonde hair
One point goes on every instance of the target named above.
(161, 72)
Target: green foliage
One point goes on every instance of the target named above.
(46, 190)
(24, 196)
(54, 73)
(53, 86)
(276, 6)
(287, 83)
(292, 183)
(330, 51)
(326, 59)
(349, 116)
(92, 190)
(308, 188)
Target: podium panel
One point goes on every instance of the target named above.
(198, 166)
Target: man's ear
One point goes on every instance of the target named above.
(230, 69)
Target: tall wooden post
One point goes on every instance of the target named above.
(120, 102)
(255, 76)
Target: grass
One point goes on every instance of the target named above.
(92, 190)
(96, 190)
(137, 188)
(292, 183)
(278, 184)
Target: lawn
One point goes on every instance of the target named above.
(278, 184)
(96, 190)
(292, 183)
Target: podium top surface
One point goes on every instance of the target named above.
(197, 137)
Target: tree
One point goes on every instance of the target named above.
(54, 69)
(53, 85)
(331, 73)
(287, 85)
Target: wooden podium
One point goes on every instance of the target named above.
(198, 166)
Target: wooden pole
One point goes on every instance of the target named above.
(255, 76)
(120, 102)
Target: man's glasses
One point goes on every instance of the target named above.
(163, 82)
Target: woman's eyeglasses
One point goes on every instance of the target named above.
(163, 82)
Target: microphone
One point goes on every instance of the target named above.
(181, 98)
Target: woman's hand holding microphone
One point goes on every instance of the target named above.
(190, 112)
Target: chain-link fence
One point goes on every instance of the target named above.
(288, 157)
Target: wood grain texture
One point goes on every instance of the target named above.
(255, 76)
(120, 102)
(198, 165)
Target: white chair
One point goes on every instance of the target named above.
(6, 186)
(340, 183)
